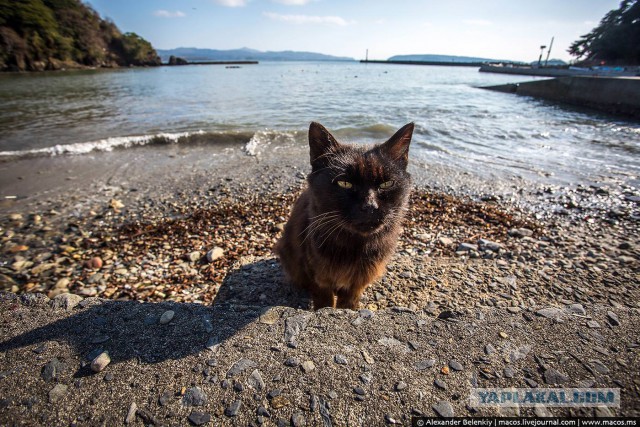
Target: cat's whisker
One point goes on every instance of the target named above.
(320, 225)
(318, 220)
(339, 225)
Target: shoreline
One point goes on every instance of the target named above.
(108, 253)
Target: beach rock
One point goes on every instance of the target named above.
(520, 232)
(489, 245)
(443, 409)
(340, 359)
(199, 418)
(424, 364)
(255, 381)
(131, 414)
(95, 263)
(293, 326)
(66, 301)
(100, 362)
(52, 370)
(194, 396)
(455, 365)
(445, 241)
(57, 393)
(166, 317)
(233, 409)
(577, 309)
(215, 253)
(194, 256)
(552, 376)
(466, 247)
(613, 318)
(240, 366)
(308, 366)
(549, 312)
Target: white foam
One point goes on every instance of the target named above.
(107, 144)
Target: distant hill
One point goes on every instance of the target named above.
(38, 35)
(193, 54)
(442, 58)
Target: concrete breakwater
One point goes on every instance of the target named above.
(614, 95)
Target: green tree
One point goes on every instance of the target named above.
(616, 40)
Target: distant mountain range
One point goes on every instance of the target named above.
(463, 59)
(442, 58)
(193, 54)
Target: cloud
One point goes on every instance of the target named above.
(478, 22)
(308, 19)
(167, 14)
(232, 3)
(293, 2)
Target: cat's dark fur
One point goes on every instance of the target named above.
(344, 227)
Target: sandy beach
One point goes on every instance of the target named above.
(184, 227)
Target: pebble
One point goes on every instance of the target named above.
(599, 367)
(359, 390)
(194, 256)
(366, 377)
(131, 414)
(520, 232)
(57, 393)
(444, 409)
(279, 402)
(66, 301)
(508, 372)
(541, 411)
(532, 383)
(332, 394)
(466, 247)
(165, 398)
(199, 418)
(424, 364)
(166, 317)
(593, 324)
(456, 366)
(549, 312)
(445, 241)
(440, 383)
(552, 376)
(298, 420)
(613, 318)
(401, 385)
(255, 381)
(100, 362)
(292, 362)
(240, 366)
(270, 317)
(503, 335)
(52, 370)
(340, 359)
(95, 263)
(215, 253)
(233, 409)
(194, 396)
(489, 349)
(307, 366)
(577, 309)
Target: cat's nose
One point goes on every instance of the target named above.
(370, 204)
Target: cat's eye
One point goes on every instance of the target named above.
(345, 184)
(386, 185)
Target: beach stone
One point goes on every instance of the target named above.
(552, 376)
(233, 409)
(166, 317)
(440, 383)
(100, 362)
(95, 263)
(293, 326)
(489, 349)
(270, 317)
(298, 420)
(215, 253)
(359, 391)
(455, 365)
(367, 357)
(401, 385)
(66, 301)
(308, 366)
(530, 382)
(549, 312)
(613, 318)
(508, 372)
(131, 414)
(520, 232)
(366, 377)
(541, 411)
(194, 396)
(199, 418)
(424, 364)
(444, 409)
(340, 359)
(240, 366)
(255, 381)
(52, 370)
(593, 324)
(445, 241)
(599, 367)
(57, 393)
(292, 362)
(194, 256)
(466, 247)
(577, 309)
(165, 398)
(489, 245)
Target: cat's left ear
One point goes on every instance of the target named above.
(397, 147)
(321, 141)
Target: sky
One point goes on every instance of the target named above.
(496, 29)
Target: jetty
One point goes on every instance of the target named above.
(448, 63)
(613, 95)
(559, 71)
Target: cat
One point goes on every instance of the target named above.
(344, 227)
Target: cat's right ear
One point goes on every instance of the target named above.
(321, 142)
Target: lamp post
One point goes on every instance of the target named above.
(542, 48)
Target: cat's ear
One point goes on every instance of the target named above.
(321, 141)
(397, 147)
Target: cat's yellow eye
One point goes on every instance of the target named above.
(345, 184)
(386, 185)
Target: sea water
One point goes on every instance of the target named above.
(458, 124)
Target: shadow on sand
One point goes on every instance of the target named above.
(131, 330)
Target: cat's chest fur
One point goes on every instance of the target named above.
(344, 227)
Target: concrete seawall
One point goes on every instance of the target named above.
(614, 95)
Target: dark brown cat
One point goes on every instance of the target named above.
(344, 227)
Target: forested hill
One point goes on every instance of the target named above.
(56, 34)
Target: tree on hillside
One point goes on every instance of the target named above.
(616, 40)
